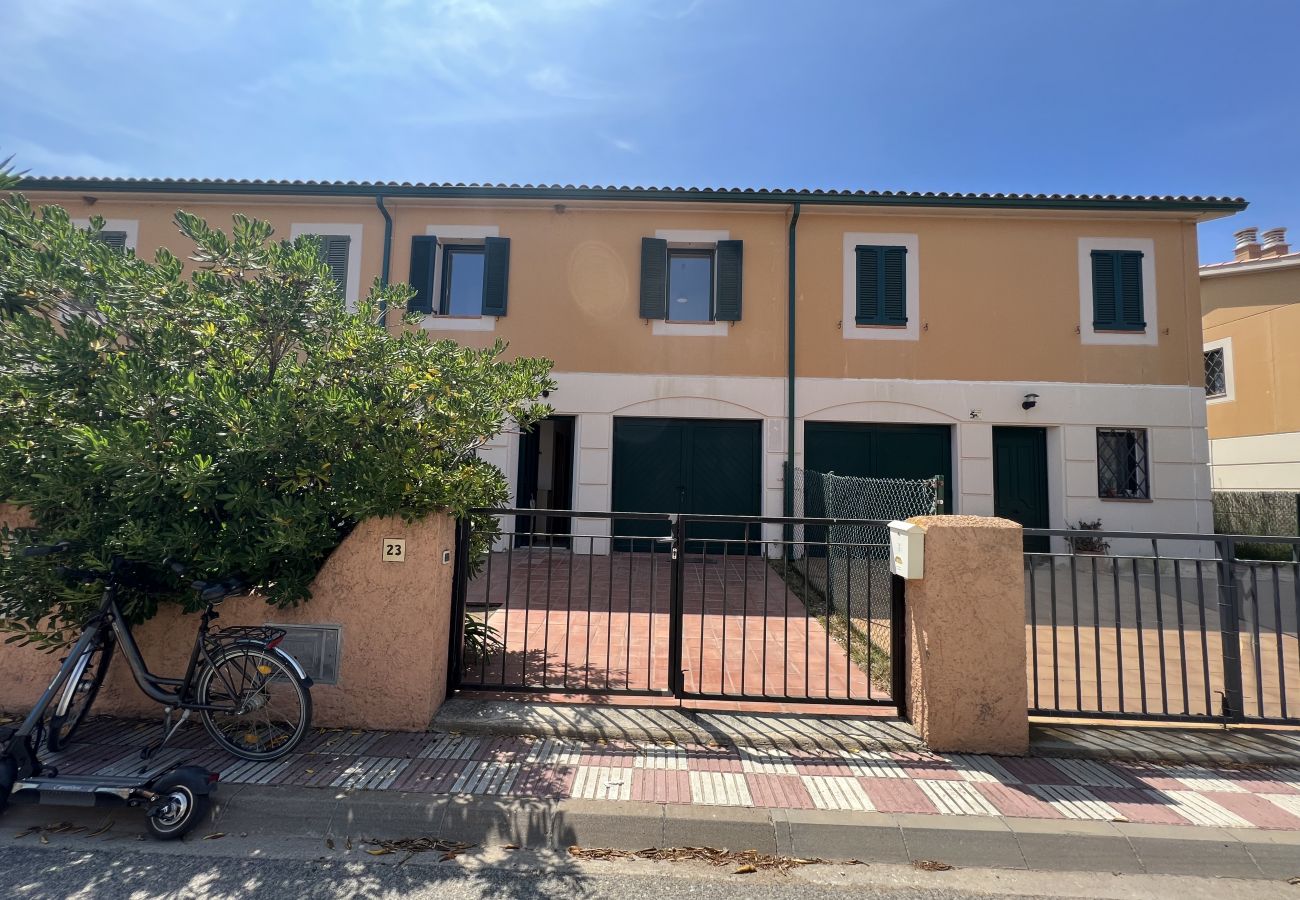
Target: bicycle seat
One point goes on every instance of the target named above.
(215, 591)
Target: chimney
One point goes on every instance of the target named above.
(1274, 244)
(1247, 245)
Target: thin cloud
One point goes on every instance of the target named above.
(40, 160)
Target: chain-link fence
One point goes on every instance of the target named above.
(849, 563)
(1258, 512)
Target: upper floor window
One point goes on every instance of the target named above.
(1122, 464)
(880, 285)
(460, 277)
(334, 252)
(1117, 290)
(461, 292)
(691, 282)
(690, 285)
(340, 251)
(1216, 379)
(114, 239)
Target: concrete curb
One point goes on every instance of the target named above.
(964, 841)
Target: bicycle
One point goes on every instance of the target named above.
(253, 697)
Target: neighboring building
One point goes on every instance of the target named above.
(1042, 353)
(1251, 315)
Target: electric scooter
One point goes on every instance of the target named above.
(174, 799)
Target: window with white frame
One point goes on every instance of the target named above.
(1122, 464)
(882, 287)
(340, 250)
(1218, 371)
(691, 280)
(1117, 291)
(462, 276)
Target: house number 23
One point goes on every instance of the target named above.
(394, 550)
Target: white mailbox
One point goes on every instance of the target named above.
(907, 550)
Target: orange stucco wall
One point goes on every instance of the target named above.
(985, 280)
(965, 624)
(1260, 312)
(393, 654)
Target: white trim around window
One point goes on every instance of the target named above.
(1088, 334)
(456, 234)
(1230, 389)
(130, 226)
(849, 326)
(352, 289)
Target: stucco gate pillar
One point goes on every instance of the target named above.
(965, 629)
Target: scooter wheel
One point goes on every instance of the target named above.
(178, 810)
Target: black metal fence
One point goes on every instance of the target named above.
(1177, 627)
(696, 606)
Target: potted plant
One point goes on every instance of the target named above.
(1093, 544)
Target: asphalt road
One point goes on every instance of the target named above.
(126, 868)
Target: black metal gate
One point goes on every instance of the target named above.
(1180, 627)
(790, 610)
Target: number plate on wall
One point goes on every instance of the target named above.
(394, 550)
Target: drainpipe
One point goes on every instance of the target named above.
(388, 252)
(789, 428)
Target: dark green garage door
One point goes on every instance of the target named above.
(880, 451)
(687, 466)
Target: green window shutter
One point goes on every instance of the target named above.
(654, 278)
(1117, 290)
(424, 252)
(730, 265)
(334, 253)
(1130, 281)
(114, 239)
(893, 280)
(1105, 306)
(868, 285)
(496, 275)
(881, 277)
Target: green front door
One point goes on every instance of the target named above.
(709, 466)
(1020, 480)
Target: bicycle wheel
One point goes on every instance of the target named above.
(264, 708)
(79, 693)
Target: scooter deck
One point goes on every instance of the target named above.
(77, 790)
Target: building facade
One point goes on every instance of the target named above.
(1251, 309)
(1043, 354)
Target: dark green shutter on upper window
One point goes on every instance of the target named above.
(730, 269)
(496, 275)
(114, 239)
(654, 278)
(334, 253)
(424, 251)
(881, 276)
(1117, 290)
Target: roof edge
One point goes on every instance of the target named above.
(1198, 204)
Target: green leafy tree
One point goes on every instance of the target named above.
(237, 418)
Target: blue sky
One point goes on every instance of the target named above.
(1110, 96)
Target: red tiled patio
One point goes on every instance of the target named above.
(601, 623)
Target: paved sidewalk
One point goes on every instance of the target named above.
(903, 781)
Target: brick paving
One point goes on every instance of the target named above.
(592, 623)
(895, 781)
